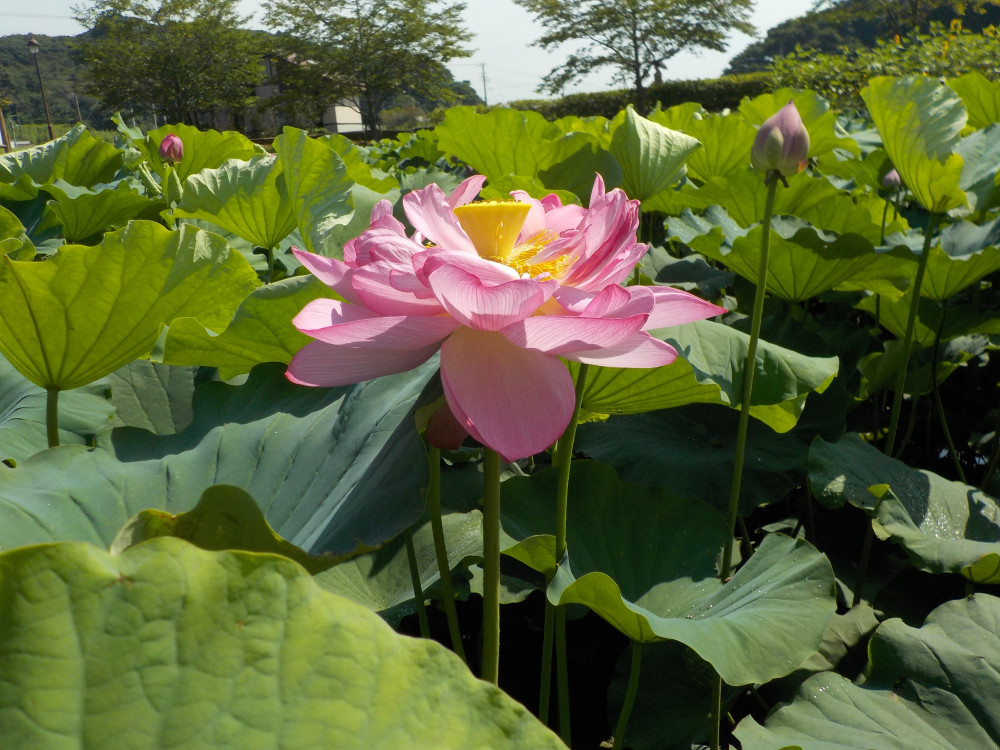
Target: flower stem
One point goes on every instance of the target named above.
(52, 416)
(545, 687)
(562, 676)
(749, 368)
(716, 743)
(618, 740)
(911, 320)
(491, 566)
(564, 460)
(418, 591)
(441, 550)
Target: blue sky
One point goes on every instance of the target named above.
(501, 35)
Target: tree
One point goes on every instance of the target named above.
(185, 59)
(634, 37)
(835, 25)
(377, 48)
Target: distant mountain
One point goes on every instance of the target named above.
(848, 23)
(63, 74)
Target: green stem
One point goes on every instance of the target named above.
(52, 416)
(618, 740)
(441, 550)
(562, 676)
(270, 265)
(749, 368)
(716, 720)
(153, 188)
(897, 402)
(564, 460)
(885, 214)
(939, 405)
(418, 590)
(545, 686)
(491, 566)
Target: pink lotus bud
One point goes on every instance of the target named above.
(782, 143)
(891, 180)
(171, 149)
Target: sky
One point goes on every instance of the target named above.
(502, 34)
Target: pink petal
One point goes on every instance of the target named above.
(387, 333)
(466, 192)
(617, 301)
(323, 313)
(487, 308)
(385, 240)
(558, 334)
(321, 364)
(515, 401)
(640, 350)
(675, 307)
(430, 214)
(487, 271)
(334, 273)
(376, 286)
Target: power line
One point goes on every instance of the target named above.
(36, 15)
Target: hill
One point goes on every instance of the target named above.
(852, 24)
(64, 76)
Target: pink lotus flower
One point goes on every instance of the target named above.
(782, 143)
(503, 289)
(171, 149)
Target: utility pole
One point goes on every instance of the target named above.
(33, 45)
(7, 145)
(482, 67)
(76, 101)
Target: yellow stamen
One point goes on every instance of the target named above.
(520, 259)
(493, 226)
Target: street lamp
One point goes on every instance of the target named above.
(33, 45)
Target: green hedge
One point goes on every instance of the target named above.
(713, 94)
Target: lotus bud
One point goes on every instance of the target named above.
(782, 143)
(891, 180)
(171, 149)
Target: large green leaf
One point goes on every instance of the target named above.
(932, 688)
(171, 646)
(980, 96)
(247, 198)
(506, 141)
(944, 526)
(84, 212)
(89, 310)
(967, 253)
(319, 188)
(380, 580)
(651, 156)
(920, 121)
(726, 140)
(261, 330)
(14, 240)
(153, 396)
(689, 450)
(333, 469)
(803, 263)
(980, 152)
(77, 157)
(711, 372)
(760, 625)
(82, 414)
